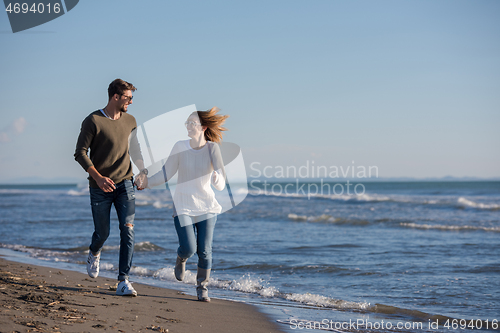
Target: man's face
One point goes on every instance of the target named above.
(124, 100)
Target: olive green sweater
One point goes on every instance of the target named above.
(108, 141)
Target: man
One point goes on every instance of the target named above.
(106, 132)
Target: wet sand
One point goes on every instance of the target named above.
(43, 299)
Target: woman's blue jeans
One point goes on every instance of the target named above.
(123, 197)
(196, 238)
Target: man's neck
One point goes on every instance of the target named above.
(112, 112)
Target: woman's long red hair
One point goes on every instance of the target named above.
(213, 122)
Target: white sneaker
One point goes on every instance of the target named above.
(93, 264)
(125, 289)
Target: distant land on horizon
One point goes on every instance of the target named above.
(72, 180)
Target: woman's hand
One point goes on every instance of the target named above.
(141, 181)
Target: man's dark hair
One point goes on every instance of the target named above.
(119, 86)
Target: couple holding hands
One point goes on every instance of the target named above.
(196, 161)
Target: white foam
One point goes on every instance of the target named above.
(319, 218)
(152, 196)
(327, 302)
(239, 190)
(140, 271)
(322, 218)
(19, 191)
(61, 260)
(160, 205)
(371, 198)
(255, 285)
(167, 273)
(111, 247)
(468, 203)
(147, 246)
(449, 227)
(84, 191)
(141, 246)
(296, 217)
(106, 266)
(247, 284)
(362, 197)
(42, 254)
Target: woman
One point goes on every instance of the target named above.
(198, 162)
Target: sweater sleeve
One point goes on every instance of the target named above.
(87, 134)
(134, 147)
(218, 165)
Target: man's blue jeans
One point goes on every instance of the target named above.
(123, 197)
(196, 238)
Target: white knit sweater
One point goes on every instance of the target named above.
(193, 194)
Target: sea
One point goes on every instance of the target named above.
(393, 256)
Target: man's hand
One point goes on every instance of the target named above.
(141, 181)
(106, 184)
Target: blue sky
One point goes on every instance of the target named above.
(411, 87)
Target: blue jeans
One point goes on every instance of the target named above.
(123, 197)
(196, 237)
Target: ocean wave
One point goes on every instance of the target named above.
(147, 246)
(106, 266)
(248, 284)
(16, 191)
(327, 302)
(445, 201)
(83, 191)
(160, 205)
(83, 248)
(343, 197)
(72, 254)
(42, 254)
(362, 198)
(65, 256)
(325, 218)
(167, 273)
(449, 227)
(141, 271)
(156, 204)
(141, 246)
(239, 190)
(255, 285)
(414, 314)
(159, 199)
(463, 202)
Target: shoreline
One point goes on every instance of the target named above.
(45, 299)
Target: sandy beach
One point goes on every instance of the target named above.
(43, 299)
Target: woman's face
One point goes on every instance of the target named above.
(193, 126)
